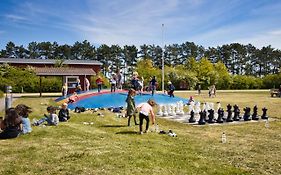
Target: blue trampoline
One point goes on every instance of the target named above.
(106, 100)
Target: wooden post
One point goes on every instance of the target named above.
(40, 86)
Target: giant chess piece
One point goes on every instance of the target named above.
(178, 108)
(181, 108)
(173, 106)
(220, 115)
(247, 115)
(236, 113)
(211, 116)
(255, 113)
(160, 112)
(202, 118)
(169, 109)
(264, 116)
(229, 113)
(165, 113)
(191, 119)
(197, 108)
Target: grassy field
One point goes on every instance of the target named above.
(110, 147)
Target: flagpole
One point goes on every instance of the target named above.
(163, 58)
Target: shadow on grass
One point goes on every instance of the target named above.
(113, 126)
(127, 132)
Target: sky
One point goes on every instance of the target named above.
(209, 23)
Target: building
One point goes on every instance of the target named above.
(70, 71)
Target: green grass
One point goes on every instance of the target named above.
(110, 147)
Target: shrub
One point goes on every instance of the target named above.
(1, 94)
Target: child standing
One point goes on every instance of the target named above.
(11, 125)
(145, 110)
(171, 89)
(131, 106)
(64, 113)
(99, 82)
(23, 112)
(52, 119)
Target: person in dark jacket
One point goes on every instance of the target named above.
(64, 113)
(171, 89)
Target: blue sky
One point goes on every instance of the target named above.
(205, 22)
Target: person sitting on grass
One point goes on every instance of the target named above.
(131, 106)
(64, 113)
(145, 111)
(51, 119)
(11, 125)
(23, 112)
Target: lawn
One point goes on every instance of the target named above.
(110, 147)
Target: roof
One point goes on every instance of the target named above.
(63, 71)
(48, 61)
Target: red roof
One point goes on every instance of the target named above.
(63, 71)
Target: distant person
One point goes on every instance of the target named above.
(51, 118)
(199, 89)
(171, 89)
(99, 83)
(153, 84)
(64, 90)
(119, 79)
(77, 83)
(113, 83)
(131, 106)
(146, 110)
(212, 91)
(11, 125)
(134, 81)
(73, 98)
(87, 84)
(64, 113)
(141, 85)
(23, 111)
(78, 89)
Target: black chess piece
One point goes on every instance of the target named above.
(247, 115)
(264, 116)
(202, 118)
(220, 115)
(229, 113)
(255, 113)
(192, 119)
(211, 116)
(236, 113)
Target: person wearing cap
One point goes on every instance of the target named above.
(64, 113)
(171, 89)
(145, 111)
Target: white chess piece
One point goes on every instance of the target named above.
(197, 108)
(165, 113)
(178, 108)
(173, 110)
(169, 109)
(181, 108)
(160, 112)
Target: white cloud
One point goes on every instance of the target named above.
(14, 17)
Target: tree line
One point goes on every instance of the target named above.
(239, 59)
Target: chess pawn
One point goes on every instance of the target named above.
(255, 113)
(181, 108)
(197, 108)
(160, 112)
(190, 108)
(247, 115)
(169, 109)
(211, 116)
(211, 105)
(229, 113)
(236, 113)
(218, 106)
(173, 110)
(178, 108)
(165, 113)
(264, 116)
(204, 107)
(220, 115)
(192, 119)
(202, 118)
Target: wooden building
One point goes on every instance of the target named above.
(70, 72)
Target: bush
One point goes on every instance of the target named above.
(1, 94)
(272, 81)
(246, 82)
